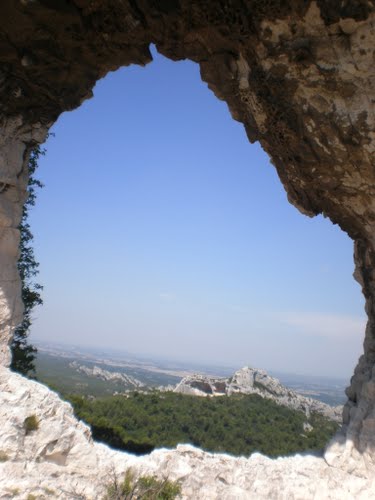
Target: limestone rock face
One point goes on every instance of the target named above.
(15, 136)
(299, 75)
(253, 381)
(60, 460)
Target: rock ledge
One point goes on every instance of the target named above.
(60, 460)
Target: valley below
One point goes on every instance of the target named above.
(138, 405)
(58, 366)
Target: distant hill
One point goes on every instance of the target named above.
(72, 375)
(249, 380)
(57, 366)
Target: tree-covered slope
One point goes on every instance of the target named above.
(238, 424)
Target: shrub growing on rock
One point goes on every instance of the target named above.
(31, 424)
(143, 487)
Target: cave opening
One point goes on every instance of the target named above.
(173, 240)
(300, 77)
(189, 197)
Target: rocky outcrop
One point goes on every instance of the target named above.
(59, 459)
(300, 77)
(253, 381)
(106, 375)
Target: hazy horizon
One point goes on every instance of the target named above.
(162, 231)
(187, 363)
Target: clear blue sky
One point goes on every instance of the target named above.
(163, 231)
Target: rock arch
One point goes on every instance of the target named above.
(299, 76)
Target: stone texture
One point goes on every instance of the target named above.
(299, 76)
(60, 460)
(16, 139)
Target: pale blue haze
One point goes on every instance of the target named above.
(163, 231)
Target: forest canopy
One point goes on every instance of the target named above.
(238, 424)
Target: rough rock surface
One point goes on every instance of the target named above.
(253, 381)
(299, 75)
(60, 460)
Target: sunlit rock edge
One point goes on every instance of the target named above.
(60, 459)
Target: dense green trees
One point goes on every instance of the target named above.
(238, 424)
(23, 353)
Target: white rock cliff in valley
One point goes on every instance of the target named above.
(106, 375)
(254, 381)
